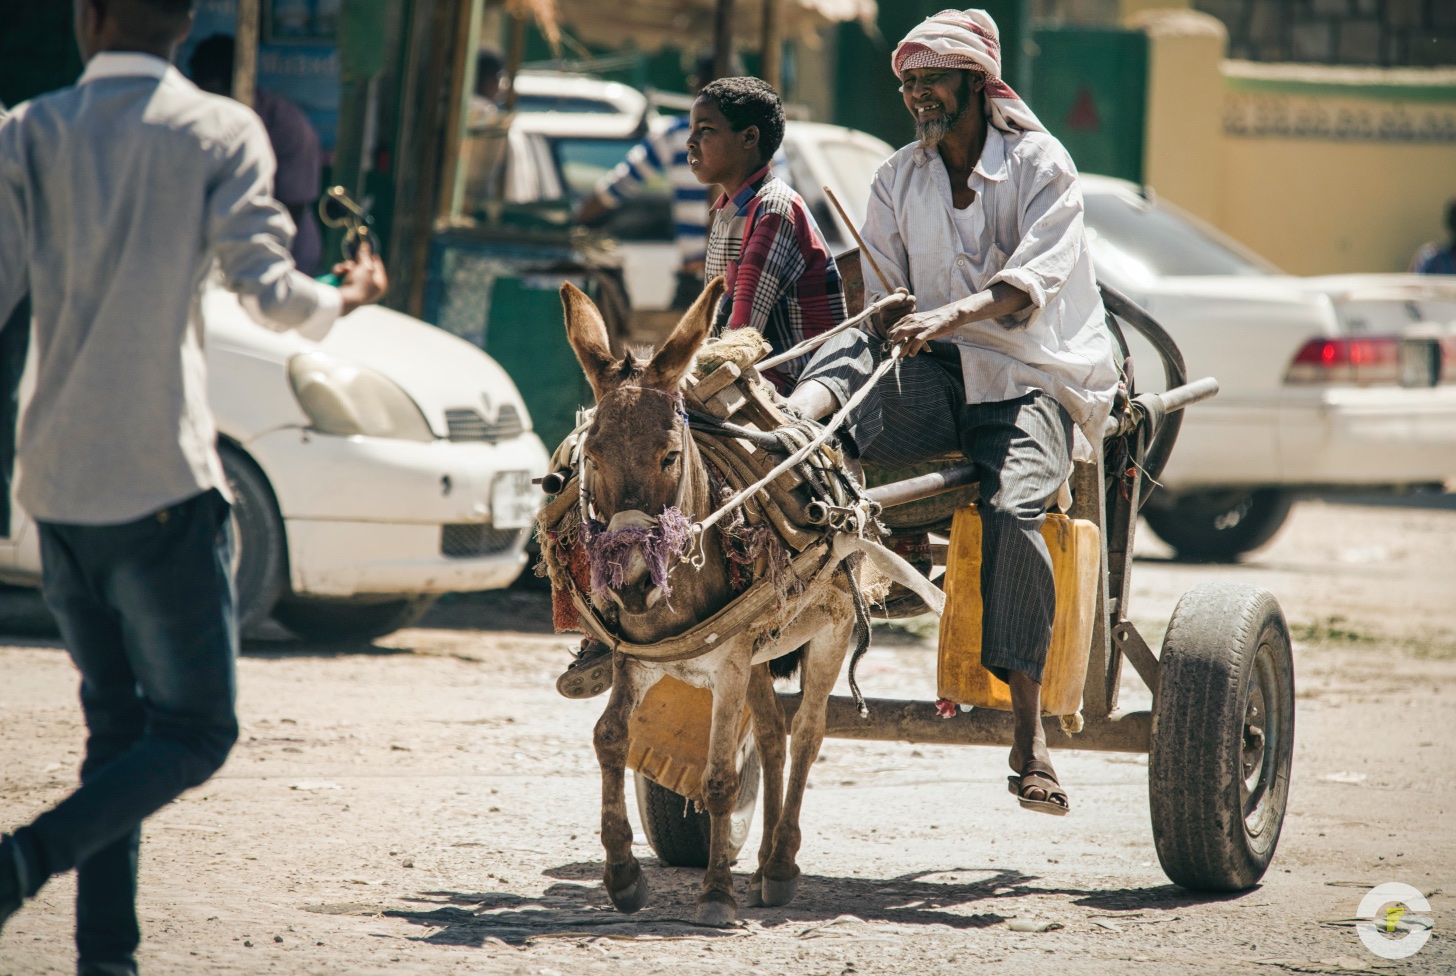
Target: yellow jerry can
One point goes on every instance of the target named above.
(1076, 561)
(667, 736)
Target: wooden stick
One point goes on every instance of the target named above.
(864, 251)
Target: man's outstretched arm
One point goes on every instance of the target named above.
(250, 233)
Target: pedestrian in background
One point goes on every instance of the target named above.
(299, 176)
(119, 198)
(1436, 258)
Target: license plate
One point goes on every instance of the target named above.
(513, 500)
(1420, 362)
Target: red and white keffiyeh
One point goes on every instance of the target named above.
(966, 39)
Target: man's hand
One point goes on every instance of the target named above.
(365, 280)
(916, 331)
(592, 209)
(893, 312)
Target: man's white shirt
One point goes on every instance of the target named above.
(1025, 228)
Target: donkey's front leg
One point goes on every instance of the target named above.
(820, 668)
(716, 905)
(625, 883)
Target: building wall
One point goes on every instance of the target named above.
(1358, 164)
(1320, 169)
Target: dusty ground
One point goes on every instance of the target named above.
(428, 805)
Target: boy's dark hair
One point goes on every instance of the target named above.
(750, 101)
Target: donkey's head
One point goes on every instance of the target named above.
(634, 449)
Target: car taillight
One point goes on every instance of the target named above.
(1366, 361)
(1448, 361)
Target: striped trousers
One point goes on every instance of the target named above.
(1022, 450)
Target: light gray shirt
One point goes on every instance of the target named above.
(1024, 228)
(118, 199)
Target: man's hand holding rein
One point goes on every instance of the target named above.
(917, 330)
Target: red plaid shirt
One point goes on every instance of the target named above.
(780, 277)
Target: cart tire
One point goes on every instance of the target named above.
(1220, 526)
(1222, 737)
(679, 832)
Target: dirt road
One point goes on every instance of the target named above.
(429, 805)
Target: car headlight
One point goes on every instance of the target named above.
(344, 399)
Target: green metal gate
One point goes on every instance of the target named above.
(1089, 88)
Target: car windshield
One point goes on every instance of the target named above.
(582, 162)
(1135, 238)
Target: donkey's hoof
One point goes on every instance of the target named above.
(717, 909)
(776, 893)
(632, 897)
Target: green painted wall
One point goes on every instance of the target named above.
(1089, 88)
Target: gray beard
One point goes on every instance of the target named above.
(931, 134)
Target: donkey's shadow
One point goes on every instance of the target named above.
(577, 905)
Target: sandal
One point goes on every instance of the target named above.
(590, 674)
(1038, 775)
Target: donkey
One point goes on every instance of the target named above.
(641, 464)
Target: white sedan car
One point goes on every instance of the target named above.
(372, 471)
(1327, 384)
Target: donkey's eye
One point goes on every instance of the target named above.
(670, 458)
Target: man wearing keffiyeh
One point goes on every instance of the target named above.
(980, 220)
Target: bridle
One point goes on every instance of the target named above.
(688, 460)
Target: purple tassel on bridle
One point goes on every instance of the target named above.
(609, 551)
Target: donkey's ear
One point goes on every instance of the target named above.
(587, 333)
(675, 358)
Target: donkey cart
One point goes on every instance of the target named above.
(1219, 735)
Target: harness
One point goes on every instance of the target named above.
(811, 508)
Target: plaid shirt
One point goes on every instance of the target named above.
(780, 277)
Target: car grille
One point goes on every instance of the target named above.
(476, 539)
(467, 424)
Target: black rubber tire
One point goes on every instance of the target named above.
(1217, 789)
(1219, 526)
(679, 832)
(261, 560)
(330, 621)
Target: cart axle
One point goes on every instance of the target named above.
(894, 720)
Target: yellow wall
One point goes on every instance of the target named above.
(1322, 170)
(1185, 107)
(1326, 207)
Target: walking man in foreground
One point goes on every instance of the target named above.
(119, 198)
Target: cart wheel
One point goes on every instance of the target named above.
(678, 831)
(1223, 734)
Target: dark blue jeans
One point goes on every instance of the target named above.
(147, 611)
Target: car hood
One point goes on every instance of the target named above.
(438, 370)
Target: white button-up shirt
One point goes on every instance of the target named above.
(1024, 228)
(117, 198)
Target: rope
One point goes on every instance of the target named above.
(814, 342)
(699, 528)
